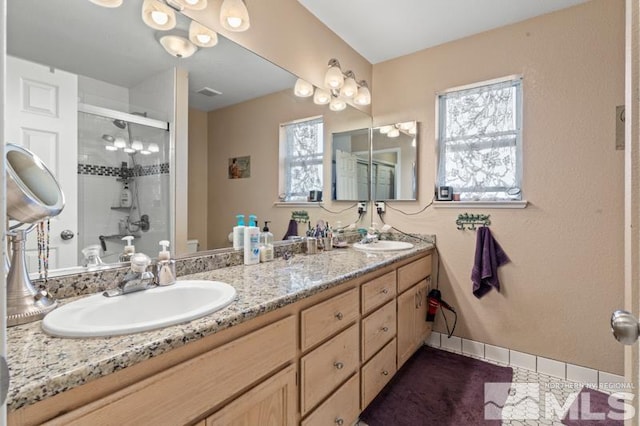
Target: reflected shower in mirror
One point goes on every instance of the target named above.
(394, 161)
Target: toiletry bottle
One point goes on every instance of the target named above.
(166, 273)
(129, 249)
(266, 244)
(125, 196)
(238, 233)
(252, 242)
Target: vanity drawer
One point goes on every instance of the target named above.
(377, 372)
(416, 271)
(328, 317)
(324, 368)
(377, 329)
(378, 291)
(188, 390)
(343, 405)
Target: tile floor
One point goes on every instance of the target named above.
(552, 389)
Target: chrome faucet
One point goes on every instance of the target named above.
(137, 279)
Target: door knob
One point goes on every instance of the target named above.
(624, 327)
(67, 234)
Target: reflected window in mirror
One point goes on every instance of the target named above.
(350, 160)
(301, 157)
(394, 159)
(480, 140)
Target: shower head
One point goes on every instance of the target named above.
(121, 124)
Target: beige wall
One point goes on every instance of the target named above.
(566, 247)
(198, 180)
(252, 129)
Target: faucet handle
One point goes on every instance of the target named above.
(140, 262)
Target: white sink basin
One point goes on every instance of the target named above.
(98, 316)
(384, 246)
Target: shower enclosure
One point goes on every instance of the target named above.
(123, 182)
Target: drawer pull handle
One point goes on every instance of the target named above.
(339, 316)
(385, 291)
(339, 421)
(385, 373)
(338, 365)
(385, 329)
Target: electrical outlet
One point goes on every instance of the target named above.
(380, 207)
(362, 207)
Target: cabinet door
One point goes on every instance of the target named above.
(271, 403)
(406, 331)
(423, 328)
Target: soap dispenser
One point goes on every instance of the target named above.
(252, 242)
(238, 233)
(129, 249)
(125, 196)
(266, 244)
(166, 273)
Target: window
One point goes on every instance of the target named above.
(480, 140)
(301, 155)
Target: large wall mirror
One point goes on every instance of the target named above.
(376, 164)
(120, 97)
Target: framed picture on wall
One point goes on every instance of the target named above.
(239, 167)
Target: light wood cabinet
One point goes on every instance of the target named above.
(377, 372)
(378, 291)
(326, 318)
(413, 329)
(271, 403)
(341, 408)
(377, 329)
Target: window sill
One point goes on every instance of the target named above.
(480, 204)
(297, 204)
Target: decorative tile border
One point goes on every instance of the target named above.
(95, 170)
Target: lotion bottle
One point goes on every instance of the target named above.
(166, 274)
(238, 233)
(252, 242)
(125, 196)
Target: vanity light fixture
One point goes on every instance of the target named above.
(191, 4)
(303, 89)
(350, 87)
(119, 142)
(321, 96)
(137, 145)
(337, 104)
(393, 133)
(153, 147)
(107, 3)
(201, 35)
(129, 150)
(158, 15)
(178, 46)
(333, 78)
(145, 152)
(364, 95)
(234, 15)
(385, 129)
(111, 147)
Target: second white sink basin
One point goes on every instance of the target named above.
(384, 245)
(99, 316)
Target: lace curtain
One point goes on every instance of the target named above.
(303, 158)
(480, 143)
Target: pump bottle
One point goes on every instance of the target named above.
(266, 244)
(129, 249)
(252, 242)
(166, 273)
(238, 233)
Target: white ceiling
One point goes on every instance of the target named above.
(384, 29)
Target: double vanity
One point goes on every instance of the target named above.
(310, 340)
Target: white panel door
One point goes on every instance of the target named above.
(42, 115)
(346, 176)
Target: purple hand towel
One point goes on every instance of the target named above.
(489, 257)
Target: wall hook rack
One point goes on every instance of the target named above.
(469, 221)
(300, 216)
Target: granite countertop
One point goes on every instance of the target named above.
(42, 366)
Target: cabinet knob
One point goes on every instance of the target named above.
(339, 315)
(385, 329)
(385, 291)
(385, 373)
(338, 365)
(339, 421)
